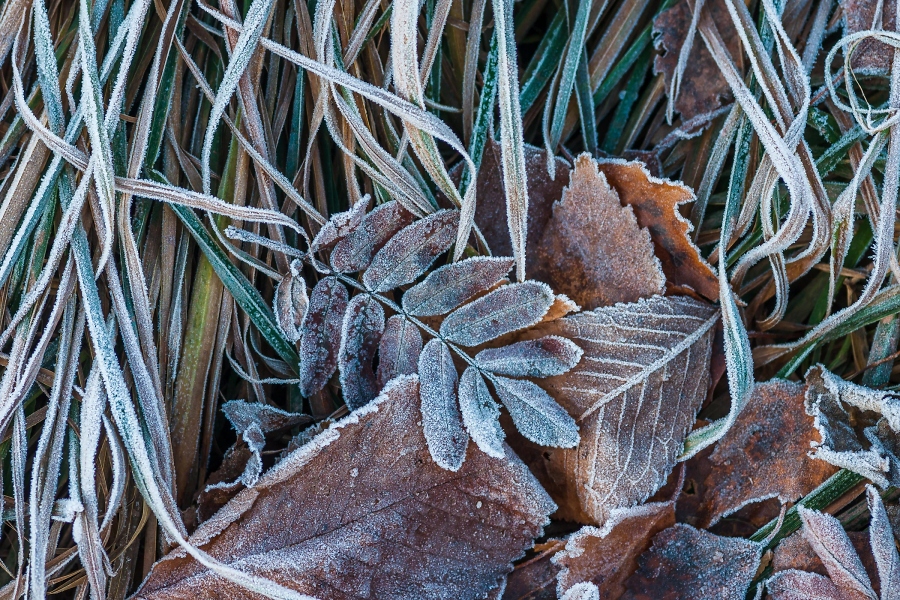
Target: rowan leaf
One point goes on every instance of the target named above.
(480, 413)
(360, 337)
(543, 357)
(692, 563)
(361, 511)
(441, 419)
(399, 349)
(356, 251)
(340, 225)
(322, 334)
(537, 416)
(772, 435)
(607, 556)
(409, 253)
(504, 310)
(291, 303)
(634, 394)
(656, 205)
(877, 456)
(592, 248)
(449, 286)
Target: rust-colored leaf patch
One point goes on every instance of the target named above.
(361, 511)
(870, 57)
(592, 248)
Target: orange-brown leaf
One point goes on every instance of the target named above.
(363, 511)
(592, 248)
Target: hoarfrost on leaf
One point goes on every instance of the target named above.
(449, 286)
(504, 310)
(441, 419)
(360, 336)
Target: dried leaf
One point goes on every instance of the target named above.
(884, 546)
(543, 357)
(771, 436)
(409, 253)
(536, 415)
(635, 395)
(876, 457)
(242, 415)
(361, 511)
(480, 414)
(691, 563)
(656, 205)
(800, 585)
(360, 337)
(340, 225)
(504, 310)
(355, 252)
(449, 286)
(607, 557)
(291, 303)
(441, 420)
(592, 248)
(322, 334)
(399, 349)
(703, 89)
(535, 579)
(870, 57)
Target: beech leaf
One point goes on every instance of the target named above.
(361, 511)
(360, 337)
(592, 248)
(409, 253)
(355, 252)
(634, 394)
(480, 413)
(399, 349)
(504, 310)
(543, 357)
(441, 420)
(449, 286)
(322, 334)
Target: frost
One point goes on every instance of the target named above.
(582, 591)
(291, 303)
(399, 350)
(502, 311)
(537, 416)
(355, 252)
(409, 253)
(480, 414)
(322, 334)
(543, 357)
(449, 286)
(441, 420)
(340, 225)
(360, 334)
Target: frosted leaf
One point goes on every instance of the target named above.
(543, 357)
(322, 334)
(402, 528)
(398, 352)
(360, 335)
(441, 420)
(635, 396)
(827, 537)
(409, 253)
(582, 591)
(449, 286)
(802, 585)
(355, 252)
(692, 563)
(506, 309)
(536, 415)
(480, 414)
(340, 225)
(884, 549)
(243, 414)
(291, 303)
(876, 457)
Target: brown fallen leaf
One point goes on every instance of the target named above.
(691, 563)
(362, 511)
(703, 88)
(764, 455)
(870, 57)
(656, 205)
(794, 552)
(634, 394)
(592, 248)
(847, 577)
(535, 579)
(607, 557)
